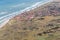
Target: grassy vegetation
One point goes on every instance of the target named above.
(34, 25)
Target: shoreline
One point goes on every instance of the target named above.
(24, 10)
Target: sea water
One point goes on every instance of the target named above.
(11, 8)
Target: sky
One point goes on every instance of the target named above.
(9, 8)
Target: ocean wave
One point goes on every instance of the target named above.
(9, 16)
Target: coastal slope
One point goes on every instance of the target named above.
(41, 23)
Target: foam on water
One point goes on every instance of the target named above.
(3, 20)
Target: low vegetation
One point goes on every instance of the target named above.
(42, 23)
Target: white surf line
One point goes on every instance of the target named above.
(6, 18)
(13, 14)
(28, 9)
(4, 21)
(35, 5)
(2, 24)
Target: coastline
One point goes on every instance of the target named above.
(22, 11)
